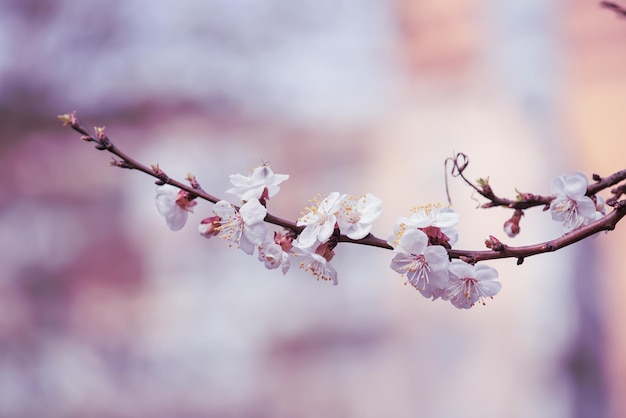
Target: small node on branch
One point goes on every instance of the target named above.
(617, 193)
(160, 174)
(484, 185)
(520, 260)
(521, 196)
(68, 119)
(494, 243)
(120, 163)
(100, 132)
(193, 181)
(596, 177)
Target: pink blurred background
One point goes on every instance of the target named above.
(104, 312)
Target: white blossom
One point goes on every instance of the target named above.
(319, 221)
(355, 216)
(174, 205)
(245, 228)
(315, 263)
(425, 267)
(273, 256)
(470, 284)
(253, 186)
(571, 206)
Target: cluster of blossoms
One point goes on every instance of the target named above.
(420, 242)
(244, 226)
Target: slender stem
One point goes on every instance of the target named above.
(525, 200)
(619, 10)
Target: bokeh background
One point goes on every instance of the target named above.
(104, 312)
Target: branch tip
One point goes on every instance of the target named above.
(68, 119)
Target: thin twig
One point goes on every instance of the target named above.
(619, 10)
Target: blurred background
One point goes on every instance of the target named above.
(104, 312)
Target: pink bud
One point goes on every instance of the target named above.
(184, 201)
(511, 226)
(210, 226)
(285, 241)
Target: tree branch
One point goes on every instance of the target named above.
(459, 164)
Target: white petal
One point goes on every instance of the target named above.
(576, 185)
(491, 288)
(326, 229)
(484, 272)
(223, 209)
(238, 180)
(586, 207)
(253, 212)
(437, 257)
(558, 185)
(413, 242)
(177, 219)
(308, 236)
(166, 198)
(461, 269)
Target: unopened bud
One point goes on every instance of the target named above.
(209, 226)
(511, 226)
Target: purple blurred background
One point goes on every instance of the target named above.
(104, 312)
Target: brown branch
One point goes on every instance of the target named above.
(619, 10)
(103, 143)
(606, 182)
(460, 163)
(606, 223)
(523, 200)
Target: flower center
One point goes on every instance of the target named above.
(420, 267)
(569, 209)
